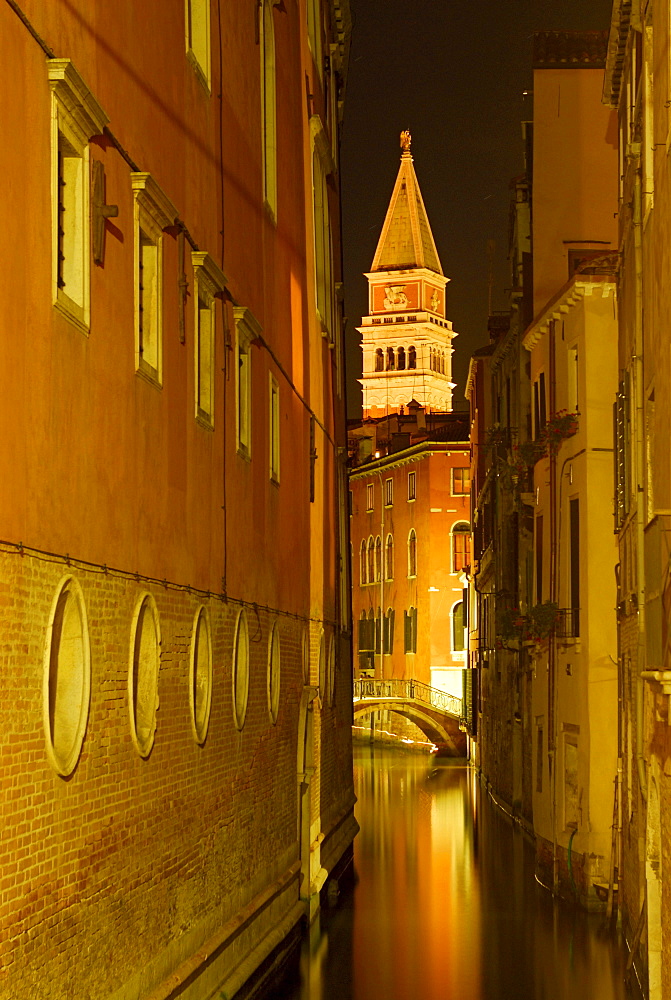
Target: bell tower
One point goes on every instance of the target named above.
(406, 339)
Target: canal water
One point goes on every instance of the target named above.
(445, 905)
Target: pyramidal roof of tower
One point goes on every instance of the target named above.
(406, 240)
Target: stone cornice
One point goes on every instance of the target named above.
(566, 298)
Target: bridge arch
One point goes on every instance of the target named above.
(444, 733)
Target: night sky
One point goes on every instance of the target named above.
(453, 73)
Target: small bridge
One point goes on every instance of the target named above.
(435, 712)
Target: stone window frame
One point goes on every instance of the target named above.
(153, 212)
(143, 744)
(241, 671)
(65, 763)
(76, 117)
(199, 727)
(247, 328)
(209, 284)
(274, 672)
(198, 40)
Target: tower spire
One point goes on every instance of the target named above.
(407, 341)
(406, 239)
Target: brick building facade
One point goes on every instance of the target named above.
(176, 716)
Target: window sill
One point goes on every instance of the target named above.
(204, 420)
(148, 374)
(244, 452)
(201, 75)
(72, 312)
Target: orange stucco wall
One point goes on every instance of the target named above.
(574, 176)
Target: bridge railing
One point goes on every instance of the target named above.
(407, 690)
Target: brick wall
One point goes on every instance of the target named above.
(120, 871)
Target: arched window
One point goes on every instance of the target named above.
(378, 559)
(371, 560)
(400, 361)
(389, 558)
(391, 359)
(412, 358)
(412, 553)
(431, 358)
(410, 630)
(461, 546)
(378, 631)
(458, 627)
(379, 360)
(442, 362)
(363, 562)
(388, 632)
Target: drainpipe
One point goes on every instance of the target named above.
(552, 647)
(639, 458)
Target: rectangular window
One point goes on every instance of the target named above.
(197, 16)
(412, 494)
(461, 481)
(369, 497)
(76, 117)
(574, 564)
(71, 265)
(209, 281)
(274, 430)
(539, 559)
(246, 329)
(153, 212)
(204, 341)
(388, 492)
(148, 302)
(539, 758)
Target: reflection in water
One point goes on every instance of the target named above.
(446, 906)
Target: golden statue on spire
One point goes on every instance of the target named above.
(406, 139)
